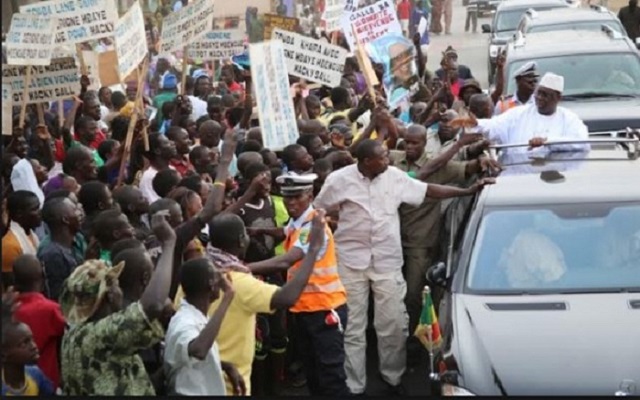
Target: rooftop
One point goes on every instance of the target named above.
(524, 4)
(573, 42)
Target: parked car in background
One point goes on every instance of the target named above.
(601, 73)
(581, 19)
(505, 23)
(542, 293)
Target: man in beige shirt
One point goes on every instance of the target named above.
(367, 196)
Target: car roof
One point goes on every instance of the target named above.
(525, 4)
(549, 17)
(596, 176)
(546, 44)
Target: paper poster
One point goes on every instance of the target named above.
(185, 26)
(108, 68)
(332, 16)
(78, 20)
(31, 40)
(275, 106)
(92, 61)
(7, 110)
(218, 45)
(272, 21)
(371, 22)
(313, 60)
(397, 55)
(60, 80)
(130, 47)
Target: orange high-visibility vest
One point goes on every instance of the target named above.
(507, 104)
(324, 291)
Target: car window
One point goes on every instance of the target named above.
(577, 26)
(509, 20)
(588, 73)
(565, 248)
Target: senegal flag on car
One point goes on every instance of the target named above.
(428, 329)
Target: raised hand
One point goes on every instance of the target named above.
(161, 228)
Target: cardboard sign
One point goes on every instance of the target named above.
(78, 20)
(185, 26)
(275, 106)
(272, 21)
(108, 68)
(7, 110)
(60, 80)
(371, 22)
(31, 40)
(397, 55)
(313, 60)
(130, 47)
(332, 16)
(218, 45)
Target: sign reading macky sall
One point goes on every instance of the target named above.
(311, 59)
(130, 45)
(30, 40)
(275, 106)
(78, 20)
(59, 80)
(185, 26)
(217, 45)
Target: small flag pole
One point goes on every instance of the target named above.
(426, 292)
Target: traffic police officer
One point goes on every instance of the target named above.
(526, 82)
(321, 313)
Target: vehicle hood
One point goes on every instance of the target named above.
(588, 348)
(607, 114)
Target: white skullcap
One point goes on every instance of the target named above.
(552, 81)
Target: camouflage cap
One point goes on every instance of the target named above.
(85, 288)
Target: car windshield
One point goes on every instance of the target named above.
(607, 73)
(564, 248)
(509, 20)
(579, 26)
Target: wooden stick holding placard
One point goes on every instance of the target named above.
(132, 124)
(40, 112)
(83, 64)
(364, 62)
(60, 113)
(183, 83)
(25, 96)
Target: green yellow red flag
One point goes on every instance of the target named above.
(428, 329)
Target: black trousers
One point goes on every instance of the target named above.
(321, 349)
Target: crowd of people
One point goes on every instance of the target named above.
(197, 261)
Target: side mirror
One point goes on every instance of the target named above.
(437, 274)
(638, 43)
(486, 28)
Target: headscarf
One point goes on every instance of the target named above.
(85, 289)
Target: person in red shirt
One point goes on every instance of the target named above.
(180, 137)
(42, 315)
(404, 13)
(228, 81)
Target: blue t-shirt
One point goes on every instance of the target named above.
(36, 384)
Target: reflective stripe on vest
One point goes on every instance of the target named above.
(323, 291)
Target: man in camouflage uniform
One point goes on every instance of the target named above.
(99, 354)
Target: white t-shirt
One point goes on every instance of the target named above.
(199, 107)
(188, 376)
(146, 184)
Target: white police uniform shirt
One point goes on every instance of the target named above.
(520, 124)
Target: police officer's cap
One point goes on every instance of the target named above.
(527, 70)
(292, 184)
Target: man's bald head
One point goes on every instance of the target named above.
(27, 274)
(481, 105)
(136, 272)
(210, 133)
(247, 158)
(255, 134)
(417, 131)
(415, 141)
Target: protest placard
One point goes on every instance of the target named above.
(92, 61)
(311, 59)
(59, 80)
(78, 20)
(185, 26)
(275, 106)
(272, 21)
(370, 22)
(218, 45)
(397, 55)
(333, 11)
(31, 40)
(130, 47)
(7, 110)
(108, 68)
